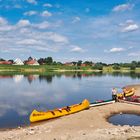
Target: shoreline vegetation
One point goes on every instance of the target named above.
(49, 65)
(53, 68)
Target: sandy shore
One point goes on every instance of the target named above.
(89, 124)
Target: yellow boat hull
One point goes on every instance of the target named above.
(39, 116)
(127, 93)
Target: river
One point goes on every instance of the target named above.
(20, 94)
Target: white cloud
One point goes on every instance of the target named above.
(27, 37)
(57, 37)
(43, 25)
(3, 21)
(23, 23)
(46, 14)
(122, 7)
(47, 5)
(113, 50)
(129, 21)
(30, 13)
(76, 19)
(32, 1)
(130, 28)
(77, 49)
(27, 42)
(134, 54)
(6, 28)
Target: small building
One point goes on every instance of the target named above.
(31, 62)
(68, 64)
(6, 62)
(18, 62)
(84, 65)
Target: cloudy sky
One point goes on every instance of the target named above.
(68, 30)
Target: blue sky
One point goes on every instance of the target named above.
(95, 30)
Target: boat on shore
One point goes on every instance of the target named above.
(131, 100)
(40, 115)
(101, 102)
(126, 93)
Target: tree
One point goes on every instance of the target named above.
(49, 60)
(133, 66)
(89, 63)
(79, 63)
(30, 58)
(74, 63)
(116, 66)
(41, 61)
(59, 63)
(138, 64)
(98, 66)
(12, 61)
(1, 59)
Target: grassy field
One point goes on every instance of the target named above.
(58, 68)
(41, 68)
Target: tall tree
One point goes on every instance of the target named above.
(48, 60)
(79, 63)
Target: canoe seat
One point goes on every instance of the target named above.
(67, 108)
(52, 112)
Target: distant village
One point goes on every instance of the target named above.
(49, 61)
(43, 61)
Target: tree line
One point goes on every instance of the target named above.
(98, 65)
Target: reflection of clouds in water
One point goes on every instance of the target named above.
(24, 97)
(21, 98)
(22, 111)
(76, 88)
(3, 108)
(18, 78)
(58, 96)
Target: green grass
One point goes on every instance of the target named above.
(51, 68)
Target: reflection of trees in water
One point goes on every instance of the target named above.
(58, 75)
(73, 75)
(79, 75)
(47, 78)
(133, 75)
(31, 78)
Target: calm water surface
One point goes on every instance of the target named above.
(20, 94)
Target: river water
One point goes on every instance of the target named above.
(20, 94)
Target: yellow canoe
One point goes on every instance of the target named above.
(39, 116)
(126, 93)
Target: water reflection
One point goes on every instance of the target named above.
(20, 94)
(49, 77)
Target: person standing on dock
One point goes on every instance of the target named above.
(114, 94)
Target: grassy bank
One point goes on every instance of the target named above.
(59, 68)
(43, 68)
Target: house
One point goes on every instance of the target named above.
(18, 62)
(6, 62)
(84, 65)
(68, 64)
(31, 62)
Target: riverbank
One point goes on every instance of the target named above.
(85, 125)
(62, 68)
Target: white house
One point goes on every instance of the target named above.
(18, 62)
